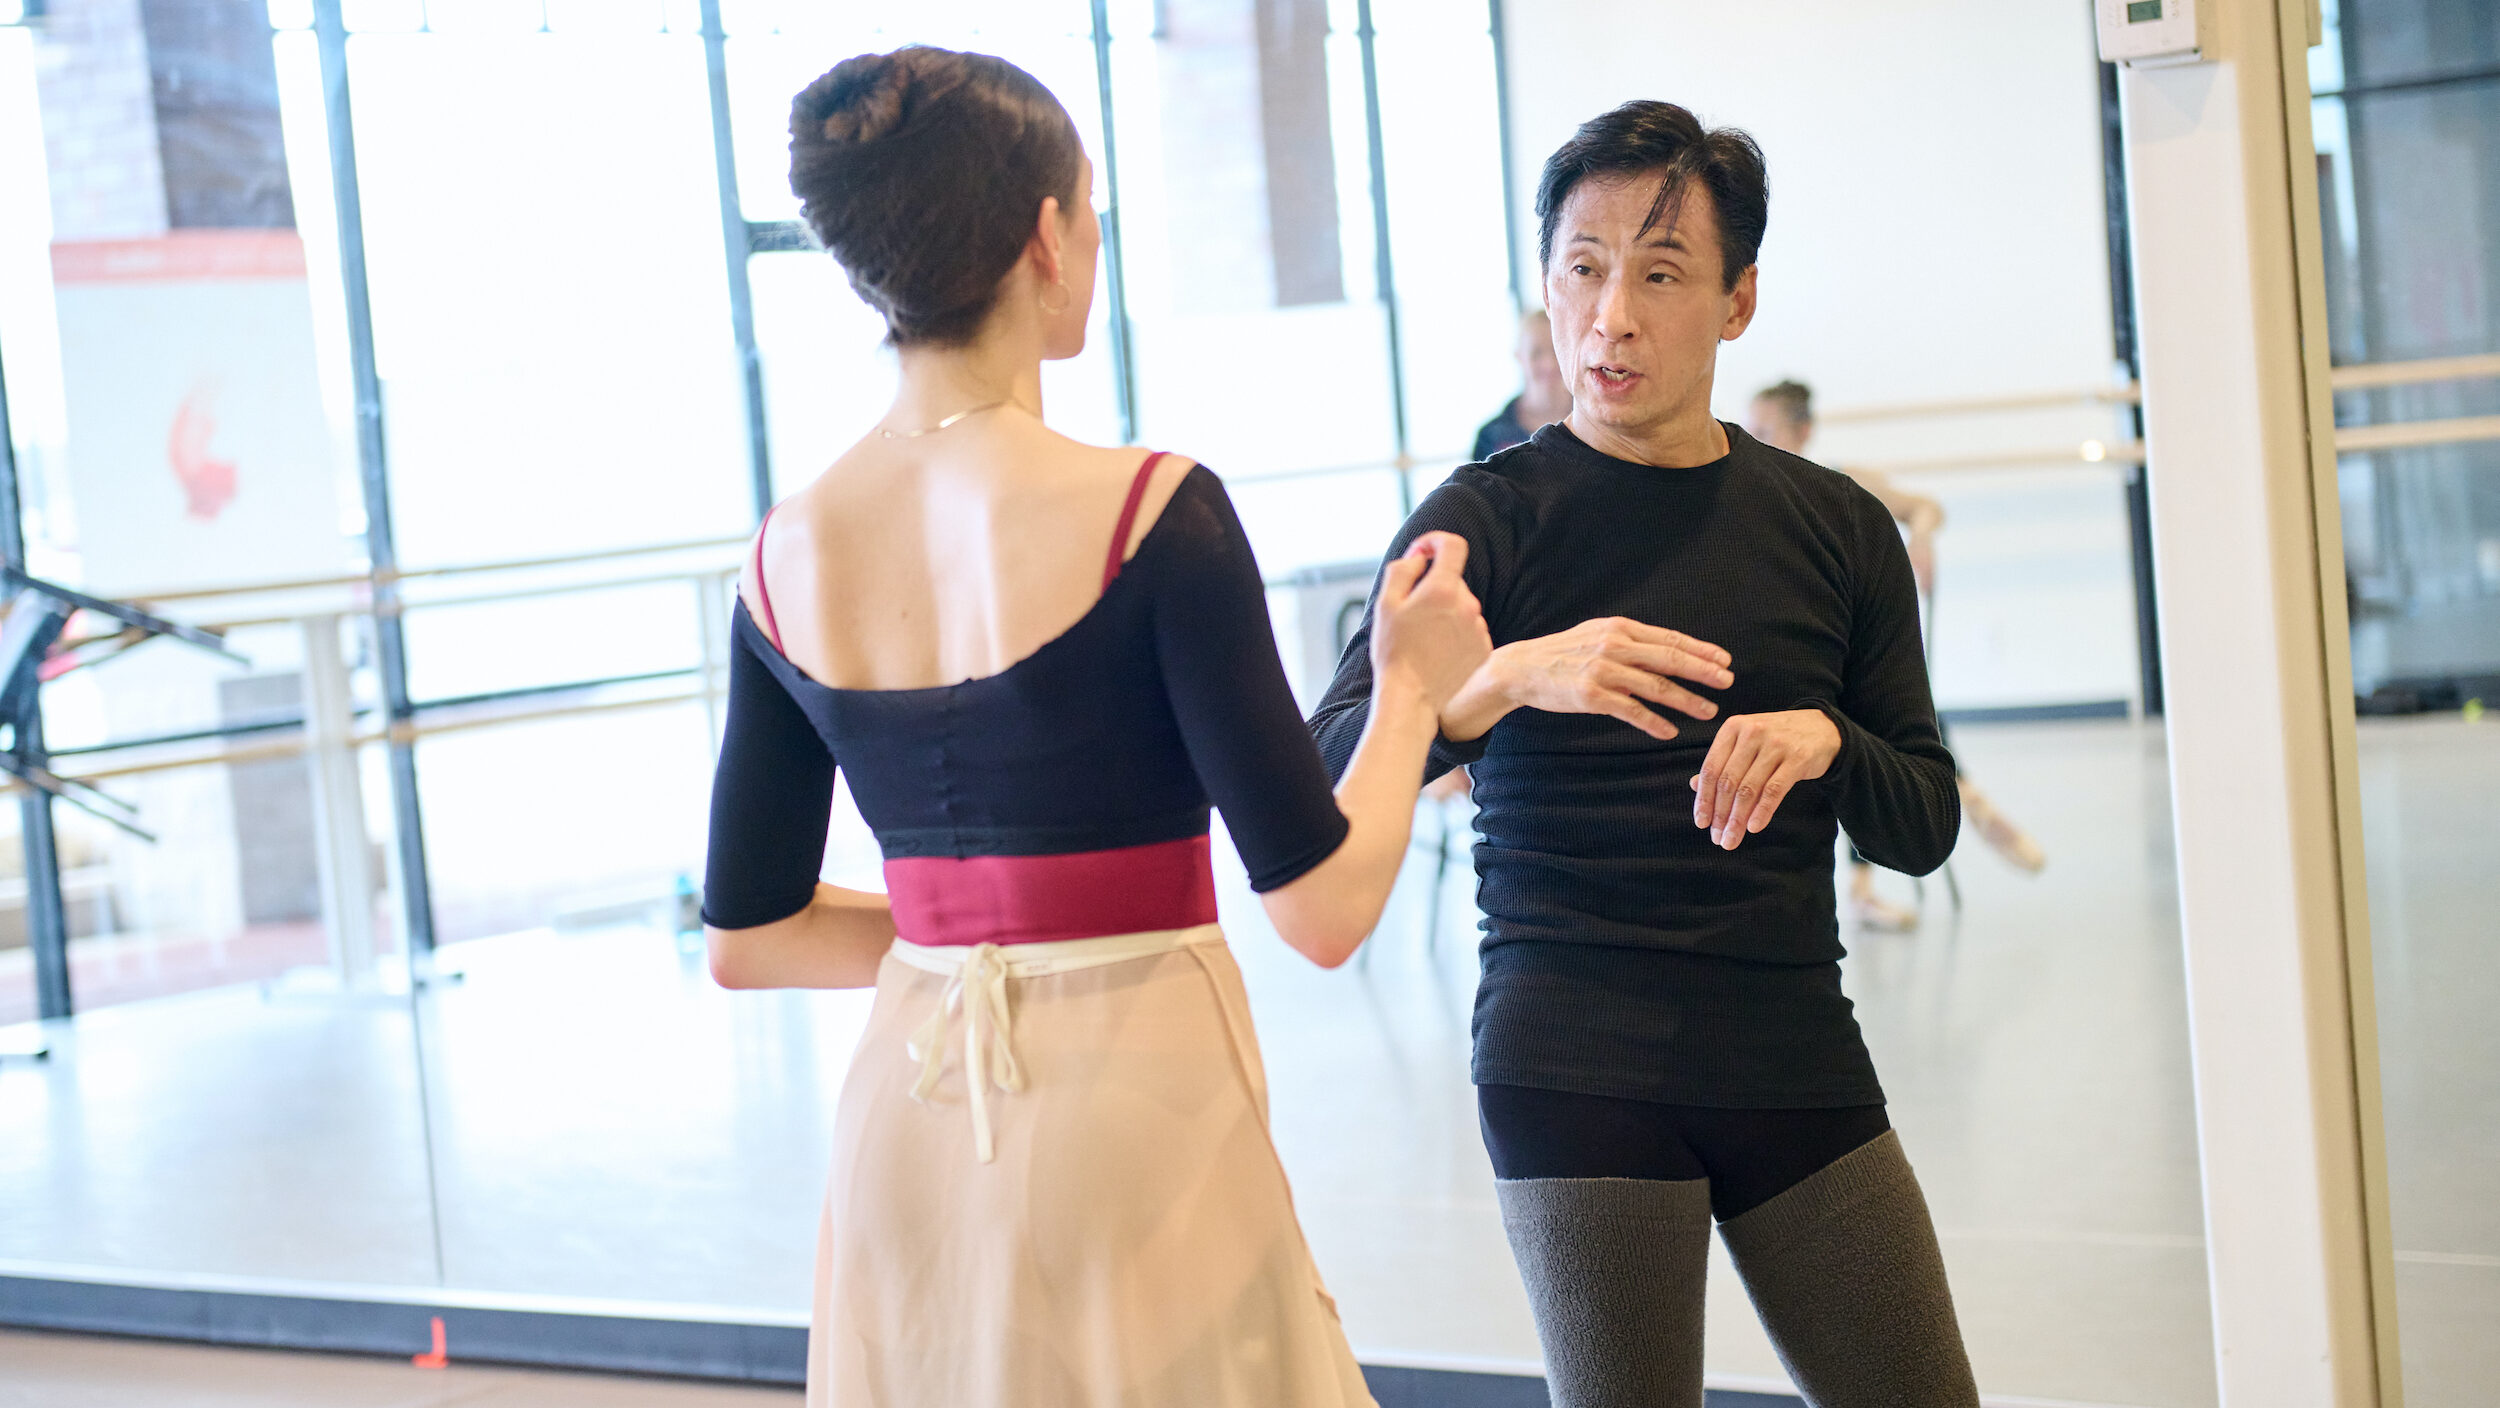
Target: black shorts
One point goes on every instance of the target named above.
(1749, 1156)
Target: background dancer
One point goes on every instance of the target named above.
(1542, 398)
(1038, 662)
(1660, 1034)
(1782, 415)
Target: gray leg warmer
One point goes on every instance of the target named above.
(1615, 1270)
(1845, 1272)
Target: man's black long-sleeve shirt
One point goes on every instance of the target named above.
(1624, 954)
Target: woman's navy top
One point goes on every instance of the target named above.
(1066, 796)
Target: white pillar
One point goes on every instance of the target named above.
(2222, 191)
(345, 852)
(711, 615)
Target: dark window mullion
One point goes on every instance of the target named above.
(373, 464)
(1115, 247)
(47, 917)
(737, 246)
(1385, 267)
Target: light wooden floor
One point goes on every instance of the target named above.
(600, 1122)
(83, 1371)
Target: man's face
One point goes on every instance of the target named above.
(1639, 314)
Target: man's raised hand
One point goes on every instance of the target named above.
(1610, 666)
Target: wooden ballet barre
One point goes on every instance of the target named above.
(2090, 452)
(377, 579)
(405, 606)
(2407, 434)
(293, 744)
(2126, 395)
(2362, 376)
(2357, 377)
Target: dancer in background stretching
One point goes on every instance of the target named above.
(1707, 662)
(1038, 662)
(1782, 416)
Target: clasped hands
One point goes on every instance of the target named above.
(1619, 667)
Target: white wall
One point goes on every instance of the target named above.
(1937, 232)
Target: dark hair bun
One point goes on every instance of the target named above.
(921, 171)
(862, 99)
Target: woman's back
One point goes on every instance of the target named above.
(1044, 711)
(1037, 664)
(930, 560)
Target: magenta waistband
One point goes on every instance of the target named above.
(1043, 899)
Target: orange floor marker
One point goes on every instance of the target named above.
(439, 1358)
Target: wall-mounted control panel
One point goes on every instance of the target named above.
(2149, 33)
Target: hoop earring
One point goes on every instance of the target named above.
(1065, 298)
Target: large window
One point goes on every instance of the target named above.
(2408, 121)
(525, 333)
(827, 374)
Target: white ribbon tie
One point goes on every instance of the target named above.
(977, 995)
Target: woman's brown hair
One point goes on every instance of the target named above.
(921, 171)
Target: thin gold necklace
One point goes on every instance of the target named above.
(941, 425)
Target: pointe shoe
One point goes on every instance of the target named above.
(2002, 835)
(1872, 912)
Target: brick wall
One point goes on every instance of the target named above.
(160, 114)
(1250, 166)
(99, 121)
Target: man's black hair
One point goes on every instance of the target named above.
(1644, 136)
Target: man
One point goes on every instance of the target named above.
(1542, 396)
(1706, 662)
(1782, 416)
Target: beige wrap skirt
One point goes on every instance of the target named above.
(1053, 1187)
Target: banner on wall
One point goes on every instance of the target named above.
(199, 455)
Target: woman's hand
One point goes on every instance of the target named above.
(1428, 637)
(1752, 765)
(1427, 626)
(1607, 666)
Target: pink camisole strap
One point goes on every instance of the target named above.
(1128, 519)
(763, 597)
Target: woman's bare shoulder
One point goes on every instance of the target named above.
(1118, 466)
(1123, 460)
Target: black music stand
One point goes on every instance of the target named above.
(38, 614)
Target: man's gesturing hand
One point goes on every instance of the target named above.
(1606, 666)
(1752, 765)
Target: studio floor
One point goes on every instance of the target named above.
(582, 1120)
(87, 1371)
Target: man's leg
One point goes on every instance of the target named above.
(1609, 1217)
(1841, 1262)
